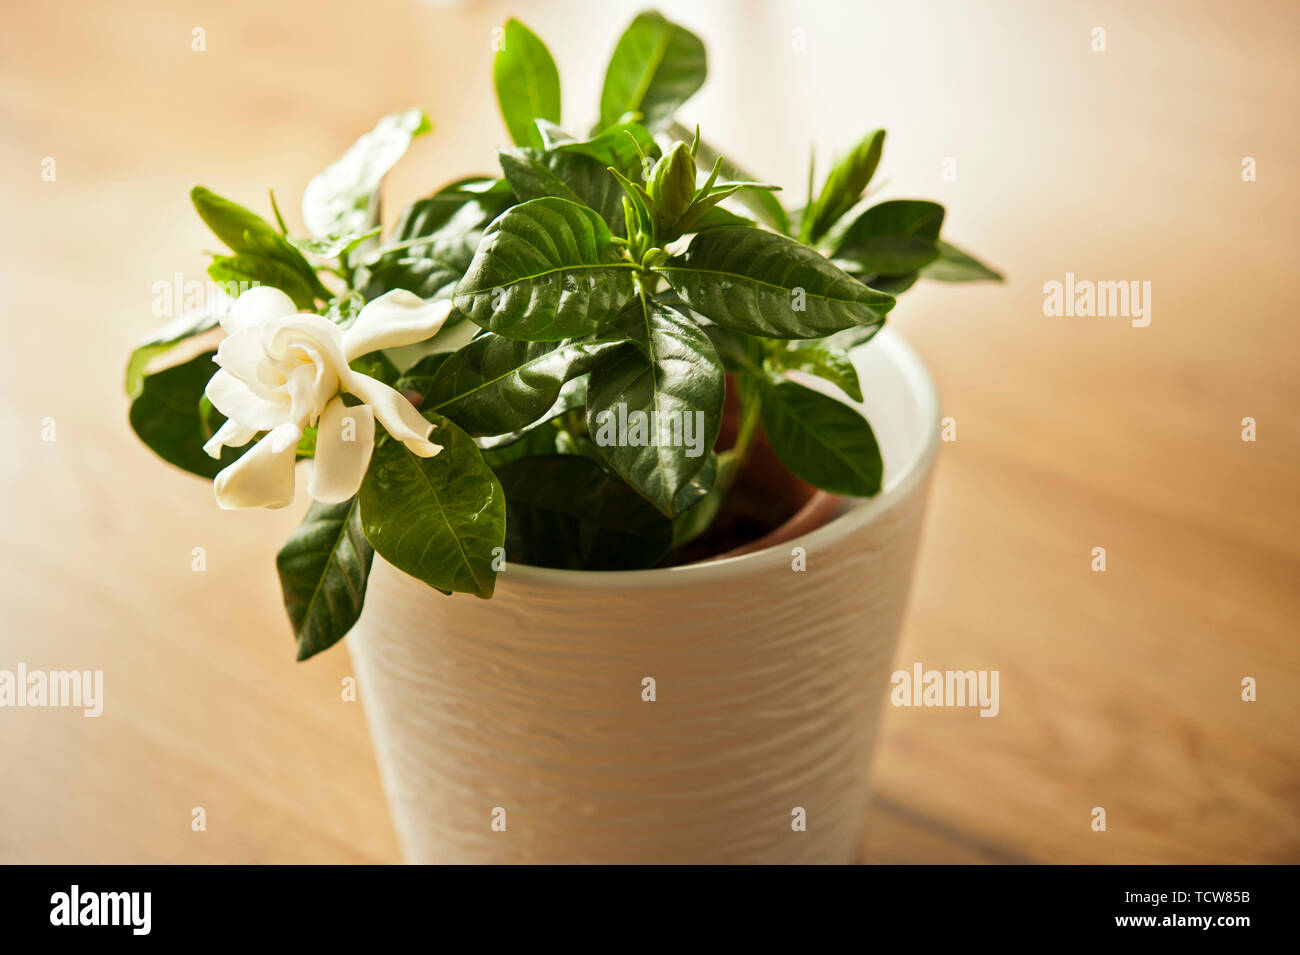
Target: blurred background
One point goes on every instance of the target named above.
(1119, 689)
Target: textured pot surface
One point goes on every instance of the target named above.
(529, 709)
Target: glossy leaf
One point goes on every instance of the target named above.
(657, 65)
(527, 83)
(440, 518)
(545, 270)
(765, 284)
(495, 385)
(819, 358)
(534, 173)
(323, 570)
(673, 378)
(179, 329)
(565, 511)
(621, 145)
(250, 269)
(828, 444)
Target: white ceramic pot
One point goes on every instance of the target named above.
(527, 711)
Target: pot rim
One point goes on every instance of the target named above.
(860, 512)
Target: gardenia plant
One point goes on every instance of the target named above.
(532, 367)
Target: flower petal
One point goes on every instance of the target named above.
(345, 439)
(395, 413)
(232, 434)
(263, 477)
(233, 399)
(259, 304)
(395, 318)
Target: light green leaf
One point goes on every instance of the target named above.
(657, 65)
(546, 270)
(344, 198)
(323, 570)
(765, 284)
(844, 186)
(673, 378)
(821, 359)
(252, 269)
(169, 336)
(527, 84)
(439, 519)
(828, 444)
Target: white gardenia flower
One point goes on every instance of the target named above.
(283, 370)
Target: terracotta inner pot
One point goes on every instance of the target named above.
(767, 505)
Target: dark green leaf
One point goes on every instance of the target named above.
(533, 173)
(770, 285)
(657, 65)
(672, 379)
(323, 569)
(843, 187)
(439, 519)
(893, 238)
(545, 270)
(828, 444)
(527, 83)
(167, 418)
(565, 511)
(495, 385)
(621, 146)
(954, 265)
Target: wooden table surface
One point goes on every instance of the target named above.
(1119, 689)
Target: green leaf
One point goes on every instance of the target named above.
(828, 444)
(166, 416)
(954, 265)
(251, 237)
(565, 511)
(255, 269)
(452, 221)
(495, 385)
(169, 336)
(334, 246)
(323, 569)
(527, 84)
(344, 198)
(439, 519)
(765, 206)
(534, 173)
(770, 285)
(719, 218)
(621, 145)
(673, 378)
(844, 186)
(656, 67)
(893, 238)
(821, 359)
(546, 270)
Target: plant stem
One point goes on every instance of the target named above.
(733, 459)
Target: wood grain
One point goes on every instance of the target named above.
(1119, 689)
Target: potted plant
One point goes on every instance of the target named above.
(619, 389)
